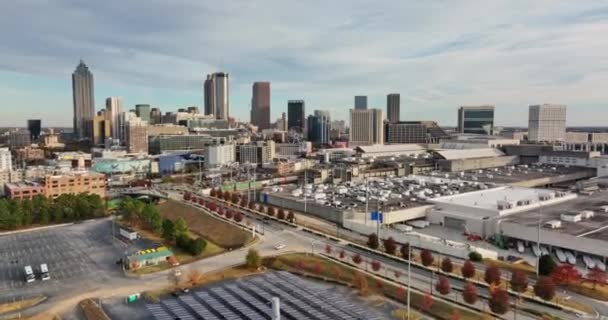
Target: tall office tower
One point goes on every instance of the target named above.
(143, 112)
(217, 98)
(319, 125)
(296, 118)
(360, 102)
(260, 105)
(113, 110)
(137, 136)
(34, 126)
(19, 138)
(366, 127)
(476, 119)
(193, 110)
(284, 122)
(125, 118)
(84, 101)
(547, 122)
(102, 128)
(155, 116)
(6, 160)
(393, 106)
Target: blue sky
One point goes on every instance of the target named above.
(437, 54)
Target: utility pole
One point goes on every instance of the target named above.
(366, 200)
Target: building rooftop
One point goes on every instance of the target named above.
(379, 148)
(518, 173)
(456, 154)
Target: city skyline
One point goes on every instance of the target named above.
(539, 55)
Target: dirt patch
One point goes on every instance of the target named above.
(92, 311)
(20, 305)
(221, 233)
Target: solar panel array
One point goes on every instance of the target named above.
(250, 298)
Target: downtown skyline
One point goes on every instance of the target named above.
(508, 55)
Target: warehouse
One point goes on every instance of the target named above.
(471, 159)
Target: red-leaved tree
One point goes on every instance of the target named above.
(357, 258)
(596, 276)
(492, 275)
(229, 214)
(281, 214)
(390, 245)
(327, 249)
(519, 281)
(545, 288)
(468, 269)
(252, 205)
(376, 265)
(469, 293)
(271, 211)
(187, 196)
(405, 251)
(342, 254)
(499, 301)
(446, 265)
(372, 241)
(427, 257)
(291, 216)
(238, 217)
(427, 302)
(443, 285)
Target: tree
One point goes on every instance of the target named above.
(475, 256)
(357, 258)
(360, 282)
(253, 259)
(342, 254)
(211, 206)
(281, 214)
(201, 202)
(187, 196)
(244, 203)
(499, 301)
(390, 245)
(235, 198)
(226, 195)
(327, 249)
(197, 246)
(545, 288)
(212, 193)
(229, 214)
(156, 223)
(546, 265)
(446, 265)
(271, 211)
(427, 302)
(168, 230)
(519, 281)
(372, 241)
(443, 285)
(596, 276)
(427, 257)
(405, 251)
(238, 216)
(376, 265)
(469, 293)
(252, 205)
(565, 274)
(492, 275)
(180, 228)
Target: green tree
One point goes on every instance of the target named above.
(168, 230)
(253, 259)
(27, 211)
(156, 222)
(180, 228)
(546, 265)
(197, 246)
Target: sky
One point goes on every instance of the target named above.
(438, 55)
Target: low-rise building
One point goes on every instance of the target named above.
(23, 190)
(28, 154)
(75, 183)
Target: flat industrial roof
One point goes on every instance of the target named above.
(455, 154)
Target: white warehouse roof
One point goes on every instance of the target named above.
(455, 154)
(381, 148)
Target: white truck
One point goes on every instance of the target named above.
(44, 272)
(29, 274)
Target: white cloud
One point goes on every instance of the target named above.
(437, 54)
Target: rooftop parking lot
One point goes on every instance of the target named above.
(513, 174)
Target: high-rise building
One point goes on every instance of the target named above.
(125, 118)
(282, 122)
(476, 119)
(155, 116)
(217, 97)
(414, 132)
(6, 160)
(260, 105)
(143, 112)
(137, 136)
(193, 109)
(219, 155)
(360, 102)
(393, 107)
(102, 128)
(113, 111)
(547, 122)
(34, 126)
(366, 127)
(319, 125)
(19, 138)
(83, 99)
(296, 118)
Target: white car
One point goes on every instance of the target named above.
(280, 246)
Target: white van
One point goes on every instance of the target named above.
(44, 272)
(29, 274)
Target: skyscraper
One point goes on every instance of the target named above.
(476, 119)
(360, 102)
(113, 111)
(84, 101)
(155, 116)
(547, 122)
(260, 105)
(319, 125)
(217, 95)
(366, 127)
(296, 116)
(34, 126)
(137, 136)
(393, 106)
(143, 112)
